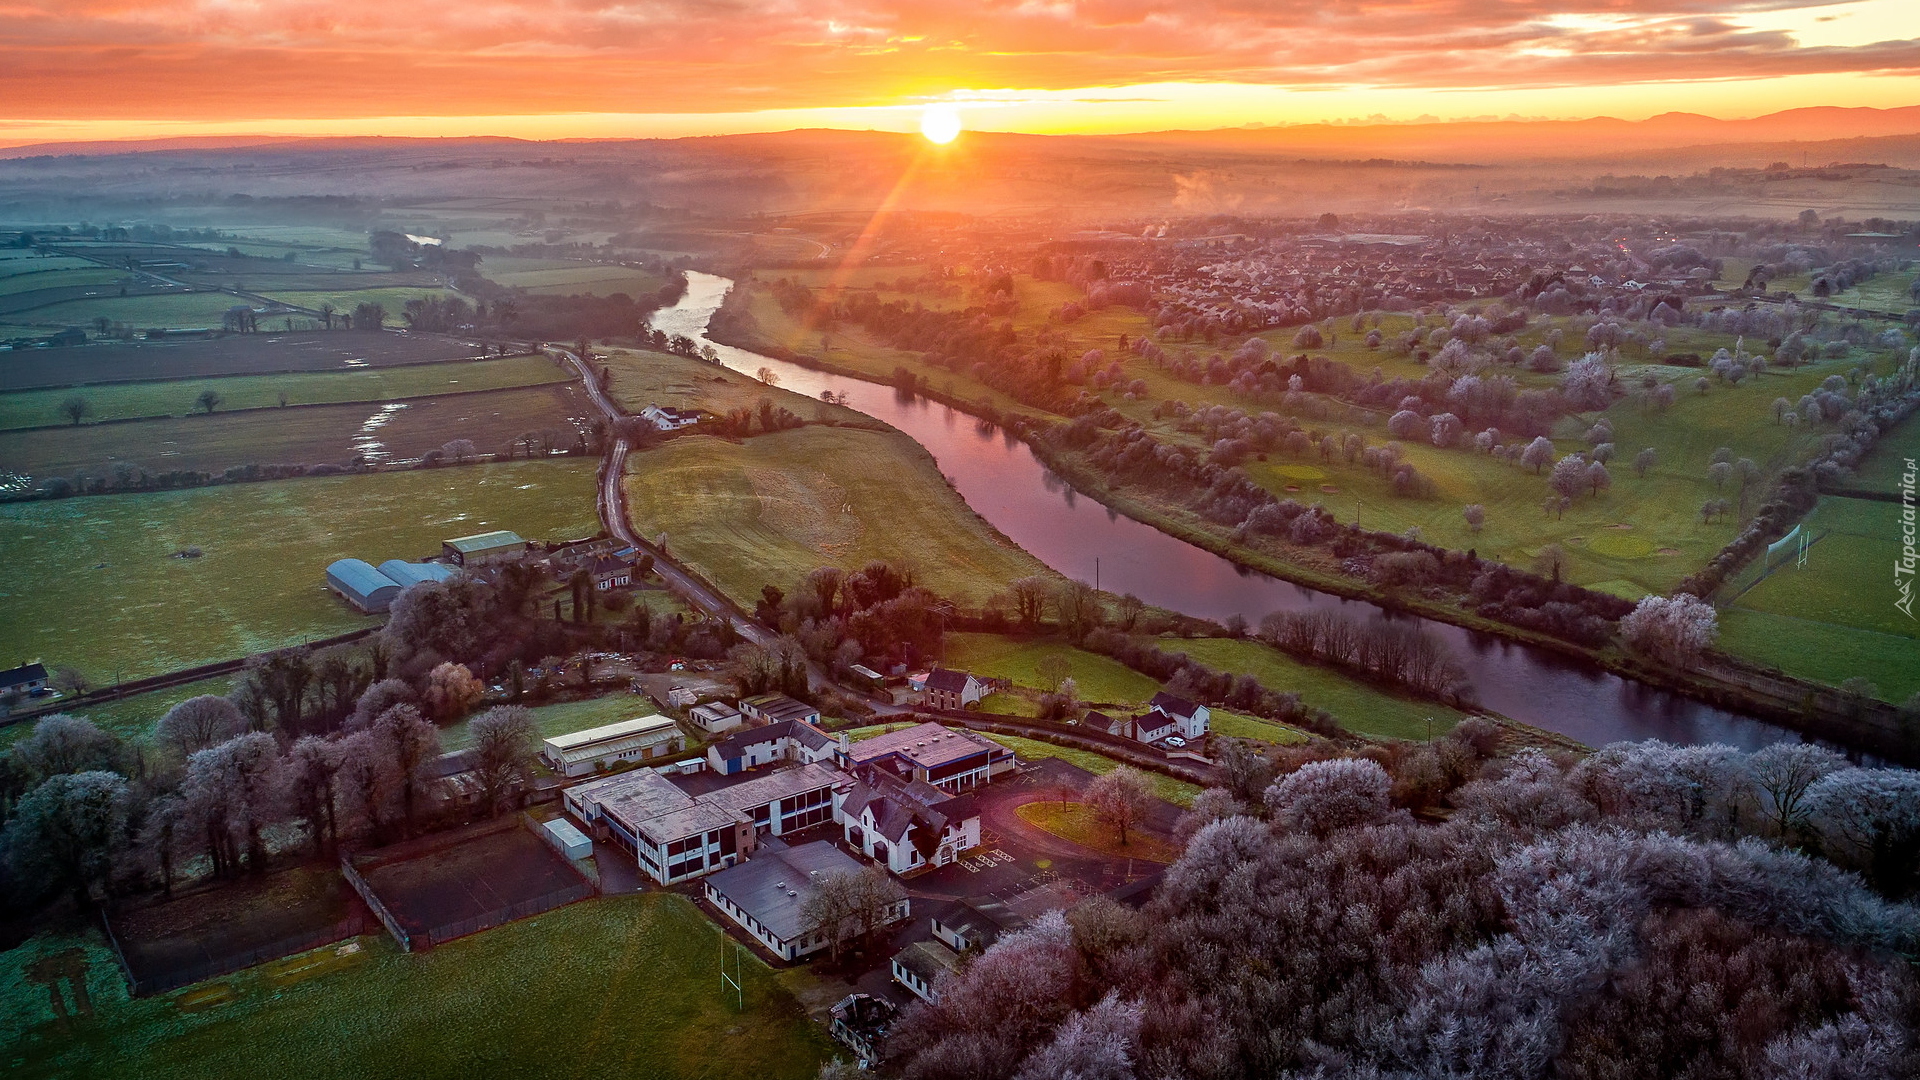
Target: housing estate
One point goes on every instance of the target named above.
(767, 895)
(642, 738)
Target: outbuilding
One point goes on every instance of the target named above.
(639, 739)
(361, 585)
(409, 574)
(482, 548)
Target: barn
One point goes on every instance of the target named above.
(361, 585)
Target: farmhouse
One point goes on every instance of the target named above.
(1191, 719)
(774, 708)
(359, 584)
(639, 739)
(932, 754)
(667, 418)
(953, 689)
(918, 967)
(408, 574)
(482, 548)
(768, 894)
(610, 572)
(675, 836)
(789, 740)
(907, 824)
(25, 679)
(714, 717)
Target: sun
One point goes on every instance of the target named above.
(940, 123)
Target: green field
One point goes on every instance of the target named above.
(169, 311)
(34, 408)
(1177, 792)
(1835, 619)
(91, 582)
(336, 434)
(344, 299)
(58, 277)
(643, 377)
(1099, 679)
(767, 511)
(1883, 465)
(568, 716)
(1358, 706)
(1252, 727)
(131, 717)
(616, 987)
(554, 277)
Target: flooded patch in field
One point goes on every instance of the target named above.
(367, 443)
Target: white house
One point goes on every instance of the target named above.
(713, 717)
(667, 418)
(906, 825)
(789, 740)
(1191, 718)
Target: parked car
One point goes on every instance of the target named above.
(1175, 740)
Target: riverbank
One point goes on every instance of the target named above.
(1575, 677)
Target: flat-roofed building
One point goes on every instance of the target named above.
(919, 966)
(642, 738)
(714, 717)
(932, 754)
(675, 836)
(482, 548)
(767, 895)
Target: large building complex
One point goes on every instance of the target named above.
(932, 754)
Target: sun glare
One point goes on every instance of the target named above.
(940, 123)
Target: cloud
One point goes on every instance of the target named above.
(229, 59)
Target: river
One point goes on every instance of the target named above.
(1001, 479)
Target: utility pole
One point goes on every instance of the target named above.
(1096, 573)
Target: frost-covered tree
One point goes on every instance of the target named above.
(1680, 627)
(199, 722)
(1538, 454)
(1321, 796)
(1120, 798)
(64, 833)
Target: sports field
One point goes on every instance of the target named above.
(1835, 618)
(767, 511)
(621, 986)
(93, 582)
(119, 401)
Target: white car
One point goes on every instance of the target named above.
(1175, 740)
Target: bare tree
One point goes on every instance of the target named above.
(1052, 670)
(209, 400)
(1030, 599)
(76, 409)
(1129, 608)
(199, 722)
(849, 906)
(503, 746)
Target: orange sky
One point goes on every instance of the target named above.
(568, 68)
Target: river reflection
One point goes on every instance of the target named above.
(1038, 510)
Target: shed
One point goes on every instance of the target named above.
(639, 739)
(484, 547)
(567, 839)
(361, 585)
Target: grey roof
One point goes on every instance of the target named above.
(647, 802)
(926, 745)
(800, 731)
(23, 675)
(778, 707)
(773, 886)
(927, 959)
(486, 541)
(1171, 705)
(947, 680)
(412, 573)
(359, 580)
(1100, 721)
